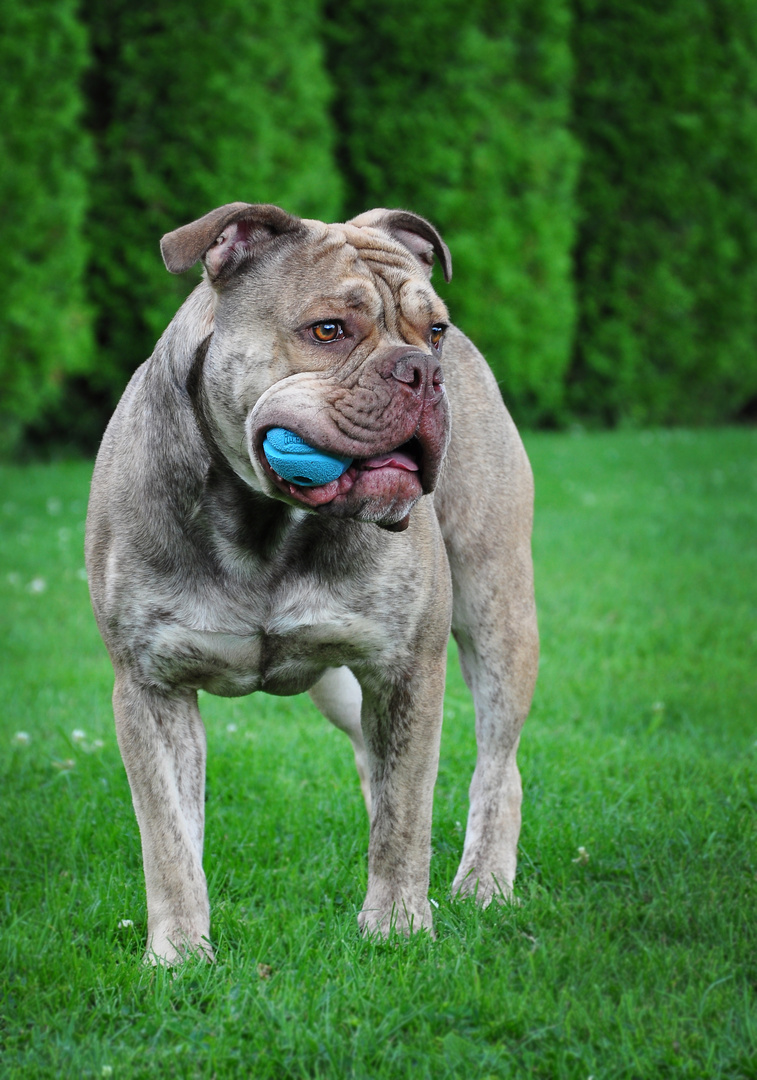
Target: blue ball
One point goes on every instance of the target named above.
(300, 464)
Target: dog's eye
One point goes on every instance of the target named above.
(327, 331)
(437, 333)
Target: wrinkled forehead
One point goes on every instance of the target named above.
(366, 270)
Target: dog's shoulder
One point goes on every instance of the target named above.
(486, 469)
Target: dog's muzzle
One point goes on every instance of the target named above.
(394, 425)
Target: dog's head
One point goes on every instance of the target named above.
(330, 331)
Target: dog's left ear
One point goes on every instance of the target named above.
(225, 237)
(414, 232)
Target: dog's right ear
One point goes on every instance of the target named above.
(226, 237)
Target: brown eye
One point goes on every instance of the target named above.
(327, 331)
(437, 333)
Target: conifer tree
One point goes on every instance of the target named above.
(194, 105)
(459, 110)
(666, 110)
(44, 331)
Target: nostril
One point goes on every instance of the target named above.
(407, 370)
(417, 372)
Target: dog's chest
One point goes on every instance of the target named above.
(279, 642)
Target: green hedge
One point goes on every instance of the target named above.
(666, 262)
(591, 163)
(459, 110)
(45, 324)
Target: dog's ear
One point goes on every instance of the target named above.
(225, 237)
(417, 234)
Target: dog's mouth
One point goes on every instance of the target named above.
(405, 458)
(382, 488)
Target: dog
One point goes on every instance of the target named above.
(208, 569)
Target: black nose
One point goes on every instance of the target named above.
(421, 374)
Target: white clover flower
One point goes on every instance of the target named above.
(583, 857)
(98, 744)
(78, 736)
(231, 728)
(37, 585)
(22, 738)
(124, 924)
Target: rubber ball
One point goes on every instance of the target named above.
(294, 460)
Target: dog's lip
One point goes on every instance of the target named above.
(375, 480)
(405, 458)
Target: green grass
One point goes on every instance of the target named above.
(641, 749)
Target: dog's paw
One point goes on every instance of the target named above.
(166, 950)
(383, 922)
(485, 889)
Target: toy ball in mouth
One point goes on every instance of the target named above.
(300, 464)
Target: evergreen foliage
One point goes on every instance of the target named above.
(45, 331)
(193, 106)
(666, 111)
(591, 163)
(458, 109)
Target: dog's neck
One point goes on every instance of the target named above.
(248, 520)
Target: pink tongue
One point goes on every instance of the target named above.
(395, 460)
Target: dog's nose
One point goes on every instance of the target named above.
(421, 374)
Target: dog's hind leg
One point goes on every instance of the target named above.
(494, 624)
(485, 508)
(495, 629)
(338, 696)
(162, 742)
(502, 697)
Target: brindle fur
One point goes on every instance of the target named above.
(206, 572)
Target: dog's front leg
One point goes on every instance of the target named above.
(162, 743)
(402, 730)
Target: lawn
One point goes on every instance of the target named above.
(632, 951)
